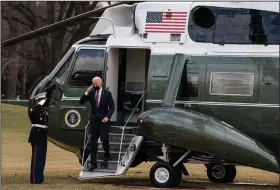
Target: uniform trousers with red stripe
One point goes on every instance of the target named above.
(38, 160)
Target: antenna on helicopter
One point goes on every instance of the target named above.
(112, 22)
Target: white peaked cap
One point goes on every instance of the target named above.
(40, 96)
(42, 102)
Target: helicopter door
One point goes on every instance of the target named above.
(88, 63)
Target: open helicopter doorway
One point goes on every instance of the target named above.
(126, 77)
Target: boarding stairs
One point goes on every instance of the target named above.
(124, 145)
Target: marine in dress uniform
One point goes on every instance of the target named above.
(38, 139)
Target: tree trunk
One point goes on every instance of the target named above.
(12, 70)
(23, 80)
(11, 81)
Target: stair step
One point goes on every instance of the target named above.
(113, 155)
(127, 129)
(113, 168)
(111, 161)
(113, 146)
(103, 170)
(116, 138)
(84, 175)
(111, 164)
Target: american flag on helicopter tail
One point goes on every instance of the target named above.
(166, 22)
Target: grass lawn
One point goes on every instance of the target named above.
(62, 167)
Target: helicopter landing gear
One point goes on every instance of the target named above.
(221, 173)
(164, 174)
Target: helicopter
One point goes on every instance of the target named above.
(193, 82)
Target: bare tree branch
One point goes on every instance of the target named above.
(5, 63)
(29, 18)
(63, 4)
(69, 10)
(18, 20)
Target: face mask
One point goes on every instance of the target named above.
(96, 87)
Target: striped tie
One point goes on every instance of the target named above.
(97, 98)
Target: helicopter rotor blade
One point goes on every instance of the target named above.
(55, 26)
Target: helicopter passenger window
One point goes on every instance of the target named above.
(236, 84)
(234, 26)
(89, 63)
(61, 75)
(188, 86)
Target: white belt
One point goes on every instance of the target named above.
(38, 125)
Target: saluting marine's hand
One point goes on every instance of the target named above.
(105, 120)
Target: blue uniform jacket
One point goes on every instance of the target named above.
(38, 115)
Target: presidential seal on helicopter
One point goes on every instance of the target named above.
(72, 118)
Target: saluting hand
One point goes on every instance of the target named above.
(89, 88)
(105, 120)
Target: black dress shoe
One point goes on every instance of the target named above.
(106, 157)
(104, 164)
(92, 167)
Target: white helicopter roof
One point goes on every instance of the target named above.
(126, 17)
(122, 15)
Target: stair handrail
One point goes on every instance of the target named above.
(126, 124)
(85, 142)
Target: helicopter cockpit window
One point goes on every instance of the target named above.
(89, 63)
(63, 72)
(235, 84)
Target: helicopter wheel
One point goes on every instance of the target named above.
(165, 175)
(221, 173)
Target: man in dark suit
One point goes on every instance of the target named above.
(102, 108)
(38, 138)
